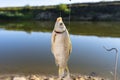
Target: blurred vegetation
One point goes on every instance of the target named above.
(103, 11)
(64, 8)
(110, 29)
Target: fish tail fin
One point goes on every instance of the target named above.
(61, 72)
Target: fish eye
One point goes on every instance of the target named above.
(61, 24)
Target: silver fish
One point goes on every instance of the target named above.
(61, 46)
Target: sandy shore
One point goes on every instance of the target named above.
(43, 77)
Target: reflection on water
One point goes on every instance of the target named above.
(78, 28)
(30, 52)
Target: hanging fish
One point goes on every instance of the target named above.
(61, 46)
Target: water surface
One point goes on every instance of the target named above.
(25, 47)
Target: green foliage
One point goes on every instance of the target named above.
(18, 14)
(27, 7)
(83, 11)
(67, 11)
(9, 14)
(63, 7)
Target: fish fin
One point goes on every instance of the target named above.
(53, 40)
(53, 37)
(70, 48)
(56, 62)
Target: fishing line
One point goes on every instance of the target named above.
(69, 17)
(69, 12)
(60, 14)
(116, 61)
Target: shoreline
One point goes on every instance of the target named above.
(48, 77)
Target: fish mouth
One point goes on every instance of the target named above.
(59, 31)
(59, 19)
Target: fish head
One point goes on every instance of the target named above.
(59, 25)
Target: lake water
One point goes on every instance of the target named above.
(25, 47)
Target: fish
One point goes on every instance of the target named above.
(61, 46)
